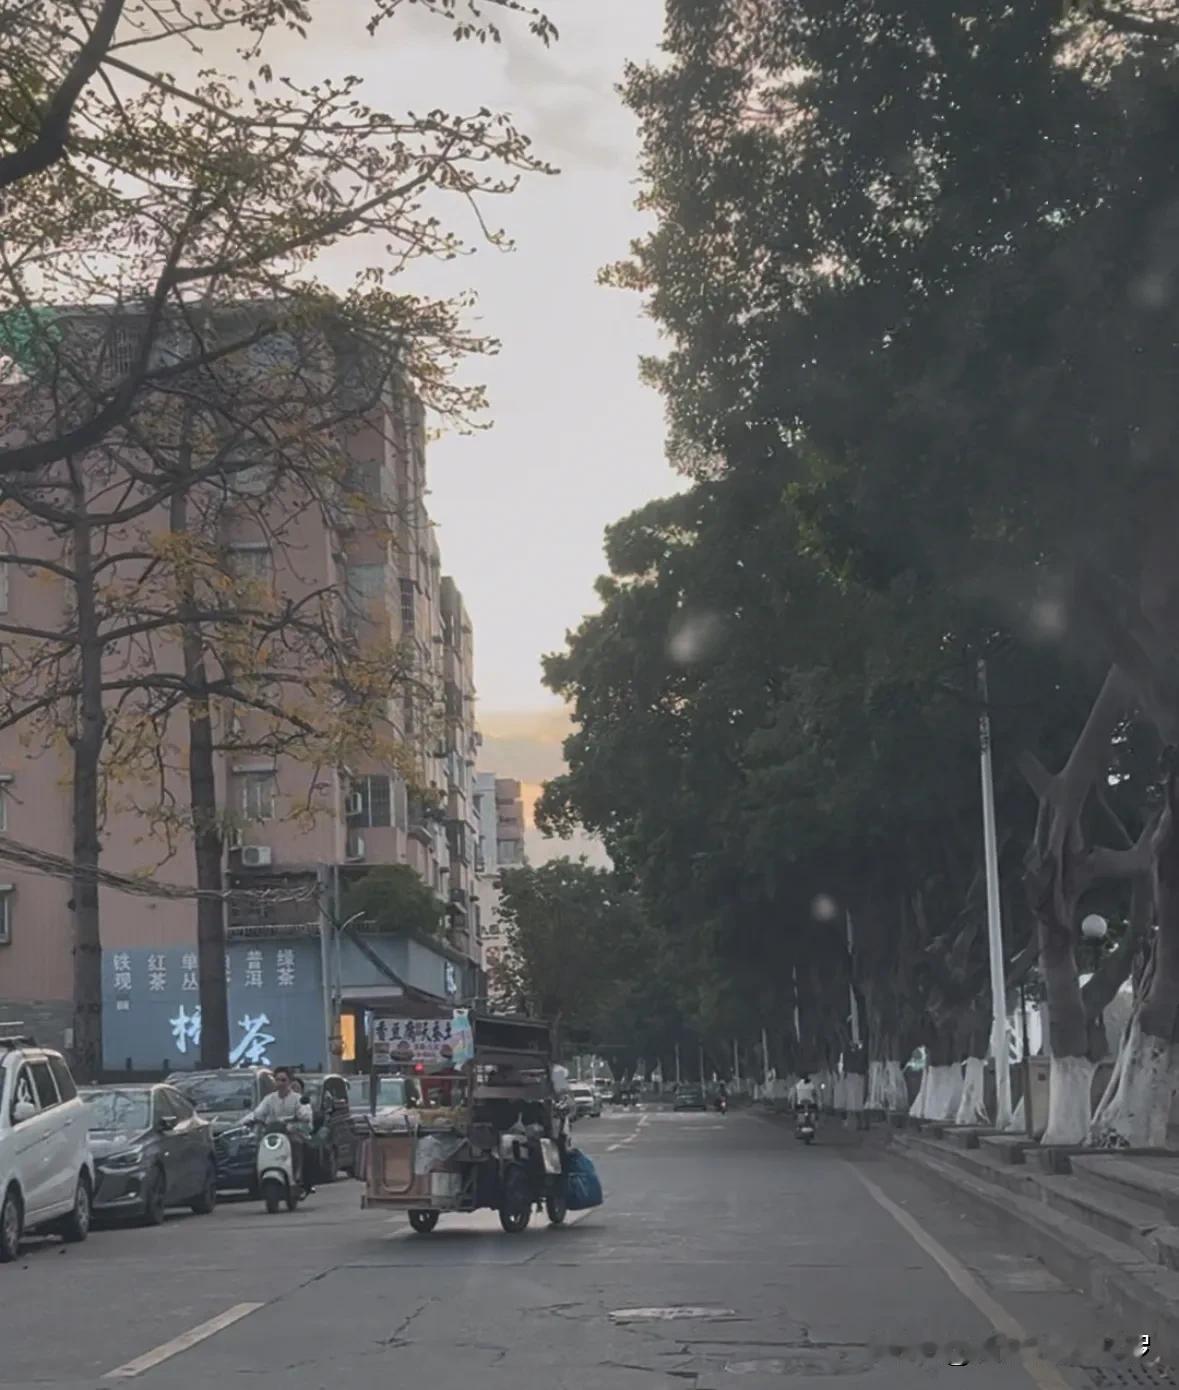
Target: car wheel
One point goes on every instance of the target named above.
(515, 1210)
(11, 1221)
(154, 1199)
(76, 1227)
(423, 1221)
(203, 1204)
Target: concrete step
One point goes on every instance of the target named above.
(967, 1136)
(1151, 1178)
(973, 1162)
(1007, 1148)
(1099, 1206)
(1137, 1291)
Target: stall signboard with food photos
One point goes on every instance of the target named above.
(433, 1042)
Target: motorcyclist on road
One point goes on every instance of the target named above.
(806, 1097)
(285, 1105)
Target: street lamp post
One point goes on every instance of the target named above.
(994, 919)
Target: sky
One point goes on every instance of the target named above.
(576, 440)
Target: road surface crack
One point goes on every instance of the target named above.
(398, 1338)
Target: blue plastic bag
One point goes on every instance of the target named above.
(583, 1188)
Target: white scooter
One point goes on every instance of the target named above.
(276, 1169)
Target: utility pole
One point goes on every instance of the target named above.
(702, 1064)
(994, 920)
(851, 985)
(765, 1059)
(677, 1064)
(736, 1062)
(797, 1025)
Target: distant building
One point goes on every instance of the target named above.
(509, 820)
(500, 811)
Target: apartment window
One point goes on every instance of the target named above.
(255, 795)
(364, 479)
(408, 605)
(400, 804)
(376, 802)
(122, 352)
(5, 913)
(252, 564)
(253, 480)
(365, 582)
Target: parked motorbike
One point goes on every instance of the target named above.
(276, 1169)
(804, 1125)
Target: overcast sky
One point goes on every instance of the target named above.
(577, 441)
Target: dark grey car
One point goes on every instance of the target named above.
(151, 1151)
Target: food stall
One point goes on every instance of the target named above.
(484, 1126)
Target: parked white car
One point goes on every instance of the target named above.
(46, 1171)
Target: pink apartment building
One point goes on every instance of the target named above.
(293, 824)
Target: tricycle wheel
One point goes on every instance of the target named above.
(556, 1205)
(423, 1221)
(515, 1210)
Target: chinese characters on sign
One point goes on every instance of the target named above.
(253, 969)
(432, 1041)
(252, 1049)
(122, 968)
(158, 973)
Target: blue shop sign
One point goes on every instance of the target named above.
(152, 1012)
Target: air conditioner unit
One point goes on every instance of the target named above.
(354, 804)
(355, 848)
(255, 856)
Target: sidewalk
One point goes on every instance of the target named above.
(1105, 1222)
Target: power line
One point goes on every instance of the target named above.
(138, 885)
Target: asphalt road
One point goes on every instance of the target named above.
(727, 1255)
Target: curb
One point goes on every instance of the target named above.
(1142, 1295)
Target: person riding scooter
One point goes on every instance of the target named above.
(806, 1096)
(722, 1098)
(285, 1105)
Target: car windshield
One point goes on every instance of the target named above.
(390, 1092)
(122, 1110)
(218, 1090)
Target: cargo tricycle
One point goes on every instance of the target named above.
(483, 1126)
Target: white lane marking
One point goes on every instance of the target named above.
(676, 1313)
(1042, 1375)
(630, 1138)
(182, 1343)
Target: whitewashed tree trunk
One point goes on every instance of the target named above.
(1017, 1124)
(875, 1099)
(945, 1091)
(840, 1096)
(1136, 1106)
(1070, 1083)
(853, 1092)
(972, 1109)
(896, 1093)
(918, 1110)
